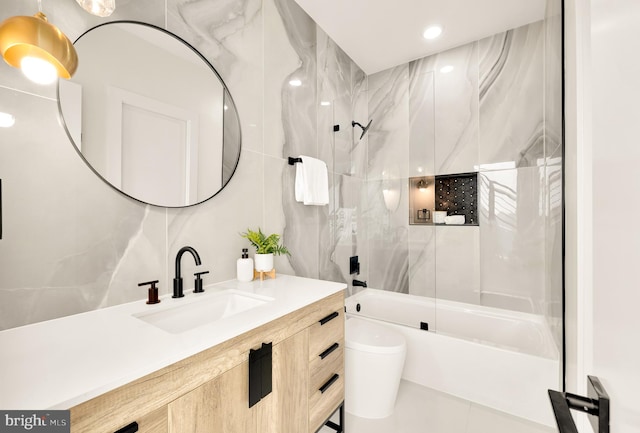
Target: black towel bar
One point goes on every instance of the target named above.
(294, 160)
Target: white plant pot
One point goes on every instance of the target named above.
(264, 262)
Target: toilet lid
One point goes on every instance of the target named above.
(371, 337)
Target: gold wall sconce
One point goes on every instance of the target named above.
(422, 185)
(38, 48)
(421, 199)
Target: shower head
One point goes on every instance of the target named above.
(364, 128)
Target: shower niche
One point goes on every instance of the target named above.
(450, 199)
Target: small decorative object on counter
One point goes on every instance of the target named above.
(266, 248)
(244, 267)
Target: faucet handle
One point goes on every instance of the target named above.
(198, 282)
(153, 291)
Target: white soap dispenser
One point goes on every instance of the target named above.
(245, 267)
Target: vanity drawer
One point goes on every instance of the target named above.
(321, 370)
(323, 404)
(325, 332)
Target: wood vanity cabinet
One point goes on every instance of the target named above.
(209, 392)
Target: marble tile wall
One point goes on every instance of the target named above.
(386, 206)
(71, 243)
(479, 107)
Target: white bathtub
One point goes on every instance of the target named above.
(498, 358)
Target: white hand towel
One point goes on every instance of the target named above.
(454, 219)
(312, 181)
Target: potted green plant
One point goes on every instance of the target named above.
(266, 248)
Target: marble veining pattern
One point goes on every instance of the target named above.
(481, 112)
(299, 120)
(230, 36)
(455, 107)
(388, 135)
(511, 97)
(386, 217)
(95, 245)
(60, 263)
(421, 122)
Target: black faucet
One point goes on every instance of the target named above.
(358, 283)
(177, 281)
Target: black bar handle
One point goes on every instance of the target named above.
(564, 420)
(131, 428)
(294, 160)
(327, 352)
(329, 317)
(330, 382)
(596, 405)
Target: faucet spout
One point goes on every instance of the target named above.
(358, 283)
(177, 281)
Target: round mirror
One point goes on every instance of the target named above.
(150, 115)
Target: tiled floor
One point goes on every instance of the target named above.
(423, 410)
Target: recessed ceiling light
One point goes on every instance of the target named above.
(325, 103)
(446, 69)
(295, 83)
(6, 120)
(432, 32)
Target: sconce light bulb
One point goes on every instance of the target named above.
(38, 70)
(422, 185)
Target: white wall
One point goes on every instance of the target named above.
(615, 44)
(603, 154)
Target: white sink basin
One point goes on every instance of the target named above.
(208, 309)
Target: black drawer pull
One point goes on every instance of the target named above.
(327, 352)
(329, 317)
(131, 428)
(330, 382)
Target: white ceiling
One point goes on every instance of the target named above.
(380, 34)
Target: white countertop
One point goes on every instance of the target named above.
(60, 363)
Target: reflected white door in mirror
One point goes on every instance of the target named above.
(150, 115)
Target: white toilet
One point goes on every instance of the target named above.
(374, 359)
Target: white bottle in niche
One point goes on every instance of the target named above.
(244, 267)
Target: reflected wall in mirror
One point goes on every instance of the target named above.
(150, 115)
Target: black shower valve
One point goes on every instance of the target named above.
(354, 265)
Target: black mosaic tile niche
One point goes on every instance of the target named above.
(457, 194)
